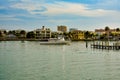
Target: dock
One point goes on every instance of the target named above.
(106, 45)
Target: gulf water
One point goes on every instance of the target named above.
(32, 61)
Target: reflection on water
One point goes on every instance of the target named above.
(32, 61)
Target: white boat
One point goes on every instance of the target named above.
(55, 41)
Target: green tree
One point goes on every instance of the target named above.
(0, 34)
(92, 35)
(87, 34)
(117, 29)
(9, 32)
(70, 35)
(23, 33)
(107, 29)
(12, 32)
(17, 34)
(31, 34)
(5, 32)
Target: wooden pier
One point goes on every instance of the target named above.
(106, 45)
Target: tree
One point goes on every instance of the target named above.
(107, 29)
(92, 35)
(12, 32)
(9, 32)
(31, 34)
(0, 34)
(5, 32)
(117, 29)
(70, 34)
(87, 34)
(23, 33)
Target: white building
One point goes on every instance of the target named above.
(44, 33)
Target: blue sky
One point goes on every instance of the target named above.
(81, 14)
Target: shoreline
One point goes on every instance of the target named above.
(47, 40)
(21, 40)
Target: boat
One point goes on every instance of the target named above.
(55, 41)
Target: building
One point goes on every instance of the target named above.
(62, 28)
(18, 33)
(43, 33)
(77, 35)
(72, 29)
(54, 34)
(3, 33)
(112, 33)
(11, 36)
(21, 33)
(100, 31)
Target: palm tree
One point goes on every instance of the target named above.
(31, 34)
(23, 33)
(87, 34)
(107, 29)
(118, 32)
(117, 29)
(5, 32)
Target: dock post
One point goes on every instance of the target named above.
(86, 44)
(102, 44)
(113, 46)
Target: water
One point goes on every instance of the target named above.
(32, 61)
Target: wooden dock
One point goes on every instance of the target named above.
(107, 46)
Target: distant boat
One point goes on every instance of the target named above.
(55, 41)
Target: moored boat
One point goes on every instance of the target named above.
(55, 41)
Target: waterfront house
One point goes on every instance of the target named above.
(11, 37)
(43, 33)
(18, 33)
(116, 35)
(77, 35)
(113, 34)
(100, 31)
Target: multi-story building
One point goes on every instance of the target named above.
(112, 33)
(77, 35)
(44, 33)
(100, 31)
(62, 28)
(72, 29)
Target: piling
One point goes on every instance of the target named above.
(106, 46)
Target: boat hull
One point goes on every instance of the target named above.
(55, 43)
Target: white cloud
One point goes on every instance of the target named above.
(58, 12)
(58, 8)
(8, 17)
(75, 9)
(29, 7)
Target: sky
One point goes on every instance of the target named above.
(80, 14)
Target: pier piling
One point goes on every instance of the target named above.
(105, 45)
